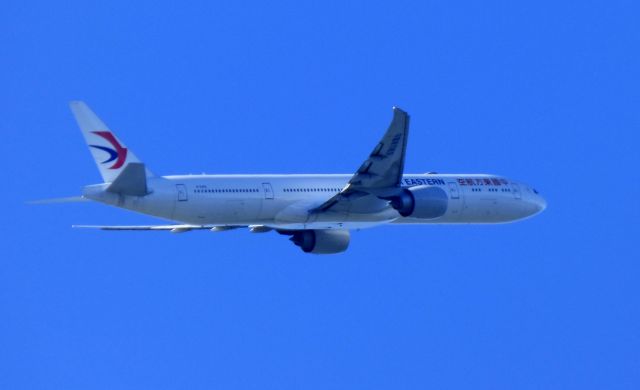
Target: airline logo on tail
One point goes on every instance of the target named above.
(118, 153)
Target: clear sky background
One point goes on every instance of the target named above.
(544, 92)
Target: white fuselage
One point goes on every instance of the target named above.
(284, 201)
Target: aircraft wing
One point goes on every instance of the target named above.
(171, 228)
(381, 172)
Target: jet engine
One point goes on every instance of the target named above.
(425, 202)
(321, 241)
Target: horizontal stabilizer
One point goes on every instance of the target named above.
(132, 181)
(70, 199)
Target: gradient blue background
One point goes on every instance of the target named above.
(546, 93)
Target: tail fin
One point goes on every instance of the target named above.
(110, 154)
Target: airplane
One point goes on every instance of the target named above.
(317, 211)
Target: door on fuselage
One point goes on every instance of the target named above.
(268, 190)
(515, 190)
(453, 190)
(182, 192)
(454, 198)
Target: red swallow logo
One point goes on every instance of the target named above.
(118, 153)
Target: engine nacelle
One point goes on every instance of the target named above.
(321, 241)
(425, 202)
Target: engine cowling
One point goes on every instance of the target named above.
(321, 241)
(425, 202)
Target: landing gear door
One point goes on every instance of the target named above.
(182, 192)
(268, 190)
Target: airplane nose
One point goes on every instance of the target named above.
(540, 204)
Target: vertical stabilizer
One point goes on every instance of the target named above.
(110, 154)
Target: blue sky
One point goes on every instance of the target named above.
(546, 93)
